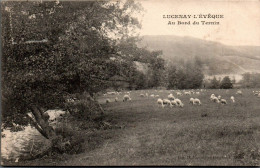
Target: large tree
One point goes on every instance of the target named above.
(226, 83)
(53, 49)
(214, 83)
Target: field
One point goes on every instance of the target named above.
(210, 134)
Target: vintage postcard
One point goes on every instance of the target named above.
(130, 83)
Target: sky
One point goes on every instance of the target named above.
(240, 25)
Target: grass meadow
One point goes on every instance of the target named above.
(146, 134)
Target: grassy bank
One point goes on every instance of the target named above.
(142, 133)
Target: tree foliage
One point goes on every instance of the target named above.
(226, 83)
(54, 49)
(188, 76)
(250, 80)
(214, 84)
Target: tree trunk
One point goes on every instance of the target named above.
(41, 122)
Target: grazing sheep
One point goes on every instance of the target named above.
(239, 92)
(116, 99)
(191, 100)
(196, 101)
(156, 96)
(111, 93)
(216, 100)
(152, 95)
(198, 93)
(212, 97)
(166, 101)
(178, 102)
(223, 101)
(146, 94)
(219, 97)
(160, 102)
(171, 97)
(233, 99)
(108, 101)
(187, 93)
(174, 103)
(142, 95)
(126, 98)
(179, 94)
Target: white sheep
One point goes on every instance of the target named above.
(233, 99)
(223, 101)
(167, 102)
(191, 100)
(239, 92)
(108, 101)
(179, 94)
(116, 99)
(198, 93)
(212, 97)
(152, 95)
(219, 97)
(111, 93)
(178, 102)
(171, 97)
(215, 99)
(156, 96)
(141, 95)
(196, 101)
(174, 103)
(187, 93)
(126, 98)
(160, 102)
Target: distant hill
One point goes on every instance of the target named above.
(217, 58)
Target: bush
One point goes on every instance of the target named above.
(85, 107)
(71, 140)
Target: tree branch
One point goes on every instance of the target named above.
(35, 124)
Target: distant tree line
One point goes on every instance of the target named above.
(181, 75)
(250, 80)
(225, 83)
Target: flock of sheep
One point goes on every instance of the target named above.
(173, 101)
(125, 98)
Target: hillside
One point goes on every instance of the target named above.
(217, 58)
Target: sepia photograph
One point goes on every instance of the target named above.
(130, 83)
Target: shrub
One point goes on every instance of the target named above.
(85, 108)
